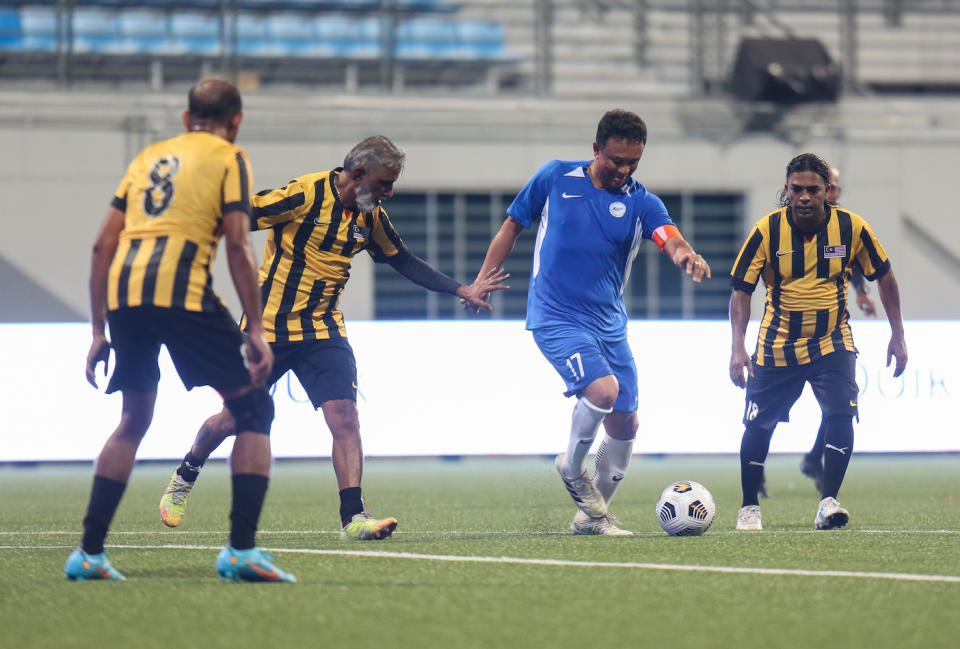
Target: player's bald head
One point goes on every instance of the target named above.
(214, 101)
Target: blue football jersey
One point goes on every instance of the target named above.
(586, 244)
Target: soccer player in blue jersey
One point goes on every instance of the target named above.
(593, 216)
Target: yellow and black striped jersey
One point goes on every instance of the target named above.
(806, 276)
(174, 196)
(306, 261)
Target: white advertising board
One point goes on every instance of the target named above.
(466, 388)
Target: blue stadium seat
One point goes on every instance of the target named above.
(38, 28)
(11, 43)
(426, 38)
(288, 26)
(345, 36)
(480, 39)
(94, 21)
(253, 39)
(38, 21)
(9, 21)
(194, 32)
(144, 31)
(96, 30)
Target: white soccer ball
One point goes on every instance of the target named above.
(686, 509)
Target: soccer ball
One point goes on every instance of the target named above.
(685, 509)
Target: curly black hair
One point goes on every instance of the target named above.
(806, 162)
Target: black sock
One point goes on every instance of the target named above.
(816, 453)
(189, 469)
(104, 498)
(351, 503)
(753, 453)
(249, 492)
(836, 453)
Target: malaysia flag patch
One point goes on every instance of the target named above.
(831, 252)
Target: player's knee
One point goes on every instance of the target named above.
(603, 392)
(252, 411)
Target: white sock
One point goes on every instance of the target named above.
(583, 430)
(613, 458)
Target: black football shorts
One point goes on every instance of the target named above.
(326, 369)
(206, 348)
(773, 390)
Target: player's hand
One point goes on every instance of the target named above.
(739, 360)
(475, 296)
(99, 353)
(897, 348)
(259, 358)
(695, 265)
(866, 304)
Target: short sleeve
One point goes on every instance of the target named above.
(870, 254)
(528, 204)
(749, 263)
(236, 185)
(653, 215)
(119, 200)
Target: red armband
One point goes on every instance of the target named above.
(664, 232)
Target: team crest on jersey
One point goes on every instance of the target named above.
(833, 252)
(360, 233)
(618, 209)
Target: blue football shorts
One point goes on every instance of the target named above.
(581, 357)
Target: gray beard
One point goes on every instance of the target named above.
(365, 201)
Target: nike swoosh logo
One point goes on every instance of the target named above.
(319, 222)
(617, 478)
(853, 403)
(585, 441)
(566, 195)
(784, 253)
(269, 575)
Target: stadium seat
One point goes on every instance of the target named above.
(194, 32)
(95, 29)
(11, 39)
(38, 28)
(9, 21)
(253, 38)
(38, 21)
(144, 31)
(344, 35)
(480, 39)
(426, 38)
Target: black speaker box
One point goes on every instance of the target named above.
(784, 71)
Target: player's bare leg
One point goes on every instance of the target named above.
(110, 477)
(211, 435)
(344, 424)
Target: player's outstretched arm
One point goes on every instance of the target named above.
(500, 248)
(475, 296)
(739, 359)
(420, 272)
(243, 271)
(103, 250)
(890, 297)
(685, 258)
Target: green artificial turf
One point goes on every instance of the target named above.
(500, 513)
